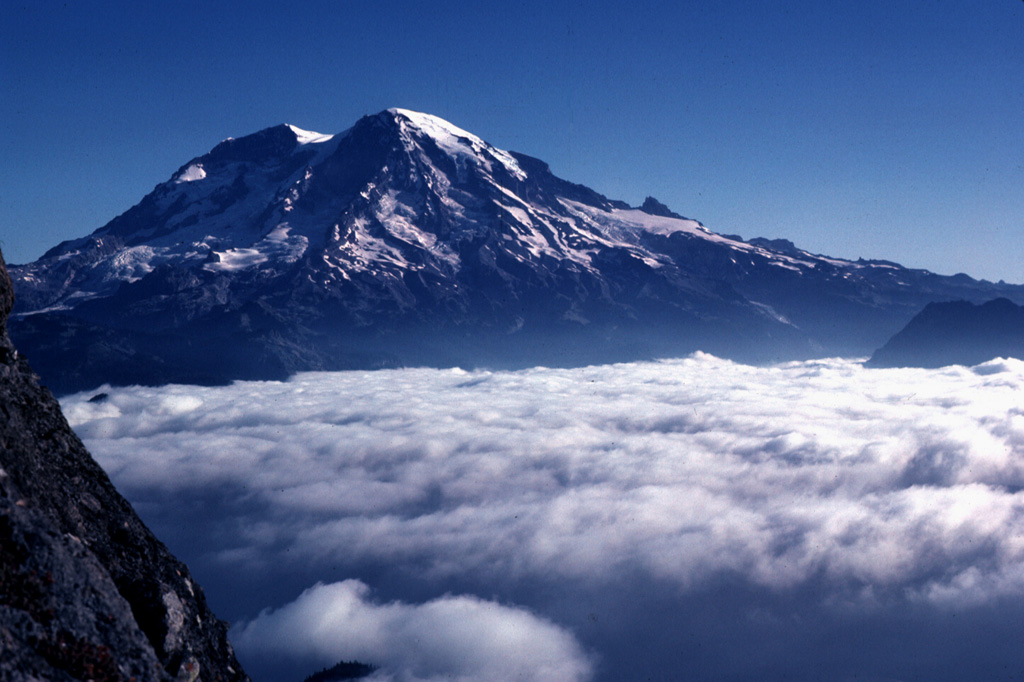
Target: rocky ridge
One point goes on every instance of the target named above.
(86, 591)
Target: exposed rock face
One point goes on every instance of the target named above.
(86, 591)
(655, 207)
(956, 333)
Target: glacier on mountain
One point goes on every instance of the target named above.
(408, 240)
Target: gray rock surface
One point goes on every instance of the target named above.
(86, 591)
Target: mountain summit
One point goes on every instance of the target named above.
(407, 240)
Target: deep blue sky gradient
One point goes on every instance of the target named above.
(879, 129)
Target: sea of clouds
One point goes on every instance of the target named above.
(686, 518)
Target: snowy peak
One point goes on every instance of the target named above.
(406, 226)
(434, 126)
(400, 194)
(453, 140)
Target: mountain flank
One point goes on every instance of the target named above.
(86, 591)
(956, 333)
(406, 240)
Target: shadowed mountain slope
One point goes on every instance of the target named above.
(956, 333)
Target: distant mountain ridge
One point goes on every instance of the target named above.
(407, 240)
(956, 333)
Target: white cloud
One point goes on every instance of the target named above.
(452, 638)
(868, 487)
(687, 468)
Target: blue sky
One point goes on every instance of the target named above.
(876, 129)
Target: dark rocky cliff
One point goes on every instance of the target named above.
(86, 591)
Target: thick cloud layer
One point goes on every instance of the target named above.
(856, 489)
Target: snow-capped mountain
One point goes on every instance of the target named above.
(406, 239)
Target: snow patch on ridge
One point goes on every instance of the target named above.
(236, 259)
(624, 225)
(663, 225)
(308, 136)
(400, 221)
(278, 244)
(191, 174)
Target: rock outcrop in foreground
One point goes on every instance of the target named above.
(86, 591)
